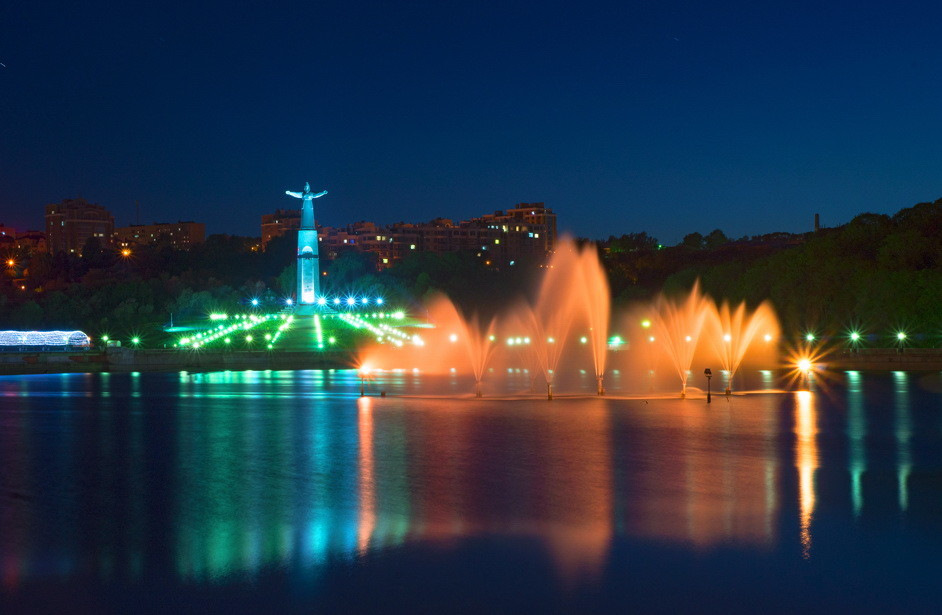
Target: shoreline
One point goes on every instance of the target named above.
(121, 360)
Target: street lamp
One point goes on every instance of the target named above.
(709, 374)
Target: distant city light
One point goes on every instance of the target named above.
(336, 300)
(125, 253)
(651, 339)
(453, 337)
(135, 340)
(804, 365)
(289, 301)
(768, 337)
(583, 339)
(321, 301)
(854, 336)
(365, 300)
(379, 301)
(248, 338)
(351, 301)
(10, 262)
(646, 323)
(901, 336)
(104, 338)
(331, 340)
(255, 302)
(810, 337)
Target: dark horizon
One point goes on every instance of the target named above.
(668, 119)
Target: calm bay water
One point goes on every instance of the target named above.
(251, 491)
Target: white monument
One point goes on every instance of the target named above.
(309, 271)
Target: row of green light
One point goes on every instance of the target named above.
(318, 332)
(399, 335)
(399, 338)
(855, 337)
(379, 315)
(281, 329)
(224, 331)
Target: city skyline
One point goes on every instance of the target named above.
(668, 119)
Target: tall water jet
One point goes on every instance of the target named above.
(549, 320)
(732, 331)
(596, 305)
(678, 324)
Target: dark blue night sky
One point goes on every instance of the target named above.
(663, 117)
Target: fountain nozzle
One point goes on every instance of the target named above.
(601, 390)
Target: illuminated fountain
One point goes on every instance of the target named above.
(478, 341)
(596, 304)
(573, 302)
(733, 331)
(678, 324)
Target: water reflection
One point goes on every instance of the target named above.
(208, 478)
(856, 436)
(706, 477)
(806, 458)
(367, 519)
(903, 430)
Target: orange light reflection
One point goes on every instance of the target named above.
(806, 459)
(367, 487)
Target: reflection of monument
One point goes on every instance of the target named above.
(309, 285)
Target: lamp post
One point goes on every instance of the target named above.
(708, 374)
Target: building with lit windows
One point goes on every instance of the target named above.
(179, 235)
(526, 231)
(279, 223)
(72, 222)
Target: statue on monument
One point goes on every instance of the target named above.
(307, 195)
